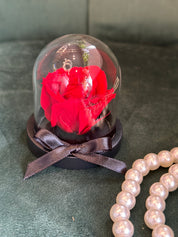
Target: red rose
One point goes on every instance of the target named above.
(74, 99)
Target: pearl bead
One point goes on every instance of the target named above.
(153, 217)
(165, 158)
(174, 171)
(174, 153)
(134, 175)
(152, 161)
(159, 190)
(126, 199)
(155, 202)
(162, 231)
(131, 186)
(119, 212)
(169, 182)
(123, 228)
(141, 166)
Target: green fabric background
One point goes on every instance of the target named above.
(135, 21)
(66, 203)
(42, 19)
(123, 20)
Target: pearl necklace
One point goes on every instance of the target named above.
(155, 203)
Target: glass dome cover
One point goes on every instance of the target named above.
(76, 81)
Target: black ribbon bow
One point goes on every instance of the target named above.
(58, 150)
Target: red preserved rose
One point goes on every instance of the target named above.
(74, 99)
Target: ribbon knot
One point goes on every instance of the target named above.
(58, 149)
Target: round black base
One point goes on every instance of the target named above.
(72, 162)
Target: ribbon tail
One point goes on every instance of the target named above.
(104, 161)
(46, 160)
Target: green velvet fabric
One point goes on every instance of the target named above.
(135, 21)
(72, 203)
(42, 19)
(124, 21)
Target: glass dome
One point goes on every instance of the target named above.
(76, 80)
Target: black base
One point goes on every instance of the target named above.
(72, 162)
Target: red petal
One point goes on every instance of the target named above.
(91, 109)
(66, 115)
(99, 80)
(86, 120)
(46, 103)
(77, 83)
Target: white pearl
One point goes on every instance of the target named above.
(141, 166)
(159, 189)
(118, 212)
(152, 161)
(134, 175)
(174, 171)
(123, 228)
(174, 153)
(153, 217)
(165, 158)
(162, 231)
(131, 186)
(126, 199)
(169, 182)
(155, 202)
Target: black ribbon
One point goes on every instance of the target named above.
(58, 150)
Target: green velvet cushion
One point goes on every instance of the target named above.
(66, 203)
(126, 21)
(42, 19)
(135, 21)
